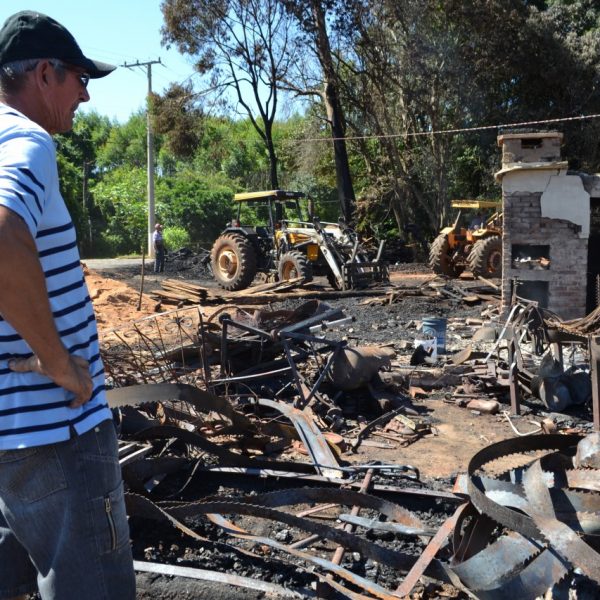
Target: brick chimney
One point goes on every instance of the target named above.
(546, 225)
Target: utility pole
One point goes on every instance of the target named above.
(150, 143)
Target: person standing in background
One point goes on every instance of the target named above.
(159, 249)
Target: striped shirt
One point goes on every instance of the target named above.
(33, 409)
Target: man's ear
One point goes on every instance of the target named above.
(42, 72)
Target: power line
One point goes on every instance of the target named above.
(450, 131)
(328, 139)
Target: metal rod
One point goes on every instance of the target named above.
(515, 397)
(324, 371)
(253, 377)
(224, 370)
(338, 555)
(437, 542)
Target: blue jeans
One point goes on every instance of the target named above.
(63, 521)
(159, 261)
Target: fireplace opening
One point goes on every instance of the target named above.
(530, 256)
(537, 291)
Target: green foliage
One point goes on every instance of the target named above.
(199, 204)
(70, 187)
(109, 245)
(472, 173)
(121, 198)
(403, 70)
(76, 153)
(126, 145)
(176, 238)
(178, 119)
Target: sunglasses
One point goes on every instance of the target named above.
(84, 78)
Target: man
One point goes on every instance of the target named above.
(478, 221)
(62, 512)
(159, 249)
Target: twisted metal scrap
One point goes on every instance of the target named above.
(549, 522)
(265, 505)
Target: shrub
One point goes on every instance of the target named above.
(176, 238)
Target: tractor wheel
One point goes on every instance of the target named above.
(485, 260)
(440, 258)
(294, 264)
(233, 261)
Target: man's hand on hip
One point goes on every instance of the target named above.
(73, 376)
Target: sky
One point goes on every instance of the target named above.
(116, 32)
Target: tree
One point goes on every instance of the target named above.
(422, 66)
(121, 198)
(126, 144)
(312, 19)
(398, 82)
(244, 45)
(199, 203)
(77, 157)
(178, 119)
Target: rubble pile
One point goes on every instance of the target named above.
(243, 431)
(185, 260)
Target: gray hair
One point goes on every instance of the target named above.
(12, 74)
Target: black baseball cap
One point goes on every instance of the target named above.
(28, 34)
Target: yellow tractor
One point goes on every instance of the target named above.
(476, 247)
(287, 246)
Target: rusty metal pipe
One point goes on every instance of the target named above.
(307, 541)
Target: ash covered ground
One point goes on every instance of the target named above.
(440, 457)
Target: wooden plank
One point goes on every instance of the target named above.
(268, 287)
(174, 297)
(180, 284)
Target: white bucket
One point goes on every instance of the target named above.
(430, 346)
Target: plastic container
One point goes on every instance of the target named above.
(435, 328)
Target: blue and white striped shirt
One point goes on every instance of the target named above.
(34, 410)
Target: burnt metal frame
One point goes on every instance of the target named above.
(287, 338)
(227, 322)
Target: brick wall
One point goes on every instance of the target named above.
(566, 276)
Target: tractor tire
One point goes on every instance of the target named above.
(485, 259)
(440, 259)
(233, 261)
(294, 264)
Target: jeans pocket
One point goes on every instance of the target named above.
(32, 473)
(111, 529)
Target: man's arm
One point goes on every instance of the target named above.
(24, 304)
